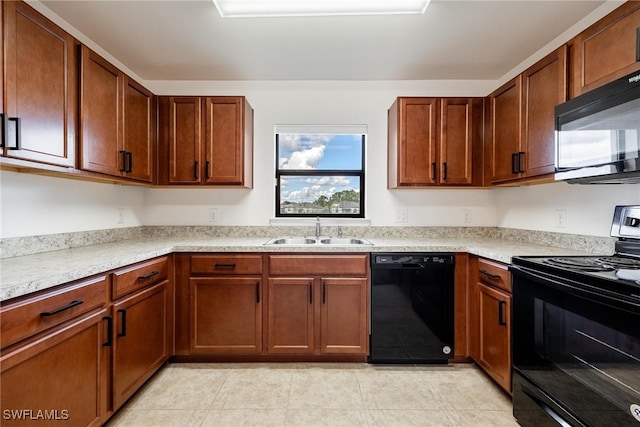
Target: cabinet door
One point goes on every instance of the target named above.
(504, 128)
(343, 316)
(495, 332)
(40, 86)
(412, 142)
(62, 378)
(141, 339)
(100, 115)
(544, 86)
(291, 315)
(184, 140)
(223, 141)
(139, 136)
(456, 141)
(607, 50)
(226, 315)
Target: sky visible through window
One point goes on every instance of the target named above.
(319, 190)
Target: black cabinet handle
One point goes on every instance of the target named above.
(514, 163)
(206, 170)
(123, 161)
(61, 309)
(4, 141)
(520, 162)
(221, 266)
(257, 292)
(5, 134)
(501, 320)
(123, 325)
(433, 171)
(149, 276)
(444, 171)
(109, 320)
(489, 275)
(310, 293)
(129, 158)
(195, 170)
(324, 292)
(637, 44)
(18, 133)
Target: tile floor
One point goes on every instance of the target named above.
(311, 394)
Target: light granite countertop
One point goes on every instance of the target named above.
(22, 275)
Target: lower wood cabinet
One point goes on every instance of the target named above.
(495, 334)
(318, 314)
(140, 339)
(60, 378)
(490, 319)
(226, 315)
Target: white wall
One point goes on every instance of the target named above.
(322, 103)
(589, 208)
(32, 205)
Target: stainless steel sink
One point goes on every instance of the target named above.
(292, 241)
(299, 241)
(344, 241)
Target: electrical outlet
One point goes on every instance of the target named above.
(402, 215)
(120, 216)
(466, 215)
(561, 218)
(213, 215)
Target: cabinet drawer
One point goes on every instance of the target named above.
(27, 317)
(335, 265)
(226, 264)
(495, 274)
(139, 276)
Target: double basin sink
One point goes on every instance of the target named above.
(302, 241)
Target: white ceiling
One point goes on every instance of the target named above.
(188, 40)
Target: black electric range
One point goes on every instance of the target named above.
(576, 340)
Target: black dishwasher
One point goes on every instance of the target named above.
(411, 307)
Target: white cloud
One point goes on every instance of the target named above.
(303, 159)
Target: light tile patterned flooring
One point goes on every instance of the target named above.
(313, 394)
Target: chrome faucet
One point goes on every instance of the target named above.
(318, 227)
(339, 231)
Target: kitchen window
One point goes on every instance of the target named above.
(320, 171)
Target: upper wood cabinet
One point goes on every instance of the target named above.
(607, 50)
(520, 128)
(206, 140)
(40, 87)
(434, 141)
(116, 121)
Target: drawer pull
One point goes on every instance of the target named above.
(149, 276)
(58, 310)
(222, 266)
(489, 275)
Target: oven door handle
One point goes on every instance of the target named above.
(627, 302)
(547, 409)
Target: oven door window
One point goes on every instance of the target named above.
(581, 353)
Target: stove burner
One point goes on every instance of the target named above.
(619, 262)
(578, 263)
(607, 263)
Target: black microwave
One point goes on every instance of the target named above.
(597, 135)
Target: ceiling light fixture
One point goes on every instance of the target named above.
(269, 8)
